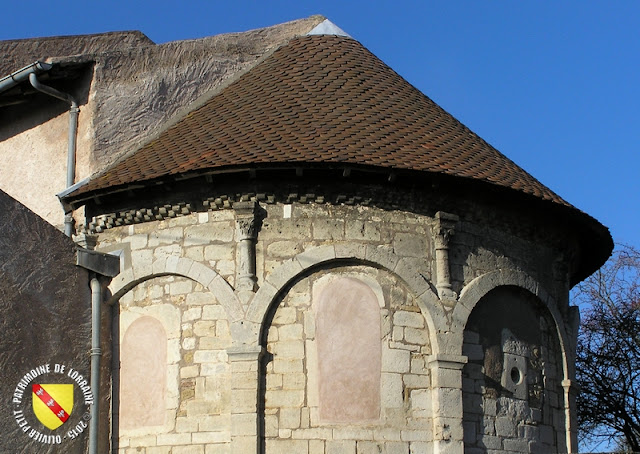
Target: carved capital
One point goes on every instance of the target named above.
(247, 220)
(445, 228)
(248, 225)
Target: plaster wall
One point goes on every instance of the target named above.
(33, 150)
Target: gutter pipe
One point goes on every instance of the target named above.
(73, 128)
(23, 74)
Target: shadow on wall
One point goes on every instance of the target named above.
(512, 393)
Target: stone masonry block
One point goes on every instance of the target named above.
(213, 312)
(288, 349)
(285, 316)
(294, 381)
(316, 447)
(165, 236)
(284, 398)
(369, 447)
(315, 432)
(210, 356)
(409, 319)
(409, 245)
(244, 400)
(382, 255)
(392, 392)
(244, 424)
(284, 249)
(351, 433)
(157, 450)
(515, 445)
(290, 332)
(225, 448)
(448, 402)
(395, 360)
(505, 426)
(208, 233)
(290, 418)
(285, 366)
(211, 437)
(193, 449)
(328, 229)
(287, 446)
(340, 447)
(350, 250)
(216, 252)
(418, 336)
(173, 439)
(316, 255)
(386, 434)
(282, 274)
(356, 229)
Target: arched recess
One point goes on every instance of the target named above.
(291, 391)
(514, 375)
(330, 255)
(185, 267)
(480, 286)
(197, 327)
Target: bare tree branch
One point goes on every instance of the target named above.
(608, 361)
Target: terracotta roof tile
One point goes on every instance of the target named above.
(320, 99)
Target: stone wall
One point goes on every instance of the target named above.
(245, 368)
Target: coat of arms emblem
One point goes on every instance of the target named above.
(52, 403)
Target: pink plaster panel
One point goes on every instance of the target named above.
(349, 352)
(143, 372)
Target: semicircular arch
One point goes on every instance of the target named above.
(184, 267)
(480, 286)
(306, 262)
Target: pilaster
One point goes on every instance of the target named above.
(446, 382)
(245, 383)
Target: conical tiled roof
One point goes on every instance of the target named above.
(319, 100)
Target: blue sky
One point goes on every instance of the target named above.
(553, 85)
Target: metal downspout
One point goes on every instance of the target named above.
(99, 264)
(71, 149)
(96, 353)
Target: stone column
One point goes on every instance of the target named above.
(445, 228)
(245, 385)
(247, 224)
(571, 390)
(446, 382)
